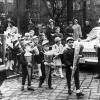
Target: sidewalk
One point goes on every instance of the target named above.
(89, 86)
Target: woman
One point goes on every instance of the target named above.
(77, 30)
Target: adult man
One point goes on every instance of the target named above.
(68, 61)
(86, 29)
(69, 30)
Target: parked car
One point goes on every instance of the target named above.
(89, 51)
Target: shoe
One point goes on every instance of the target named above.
(30, 88)
(97, 77)
(22, 88)
(80, 94)
(69, 92)
(51, 88)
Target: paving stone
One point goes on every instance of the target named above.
(90, 87)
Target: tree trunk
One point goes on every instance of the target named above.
(69, 10)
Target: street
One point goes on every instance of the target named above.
(89, 86)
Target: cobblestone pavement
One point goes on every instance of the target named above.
(89, 85)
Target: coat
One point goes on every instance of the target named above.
(68, 57)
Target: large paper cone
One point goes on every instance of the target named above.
(78, 49)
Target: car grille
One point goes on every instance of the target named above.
(89, 54)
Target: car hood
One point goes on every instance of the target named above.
(89, 46)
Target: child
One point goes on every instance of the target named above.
(68, 61)
(45, 65)
(26, 59)
(58, 49)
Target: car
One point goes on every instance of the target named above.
(89, 52)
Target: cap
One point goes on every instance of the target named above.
(35, 37)
(45, 42)
(69, 38)
(27, 34)
(57, 39)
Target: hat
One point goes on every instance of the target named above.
(69, 38)
(35, 37)
(45, 42)
(57, 39)
(27, 34)
(51, 20)
(98, 20)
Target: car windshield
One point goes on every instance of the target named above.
(94, 32)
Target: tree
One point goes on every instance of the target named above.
(57, 10)
(69, 10)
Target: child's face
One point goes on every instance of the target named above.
(36, 41)
(46, 47)
(70, 43)
(59, 42)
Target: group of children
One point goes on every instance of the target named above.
(48, 58)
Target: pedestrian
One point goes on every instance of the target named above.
(68, 57)
(26, 66)
(12, 29)
(50, 31)
(77, 30)
(43, 63)
(86, 29)
(69, 30)
(58, 49)
(98, 52)
(36, 49)
(58, 33)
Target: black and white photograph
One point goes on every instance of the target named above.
(49, 49)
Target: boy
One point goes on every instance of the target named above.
(44, 65)
(68, 61)
(26, 60)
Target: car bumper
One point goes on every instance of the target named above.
(88, 61)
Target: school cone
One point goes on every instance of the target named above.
(78, 50)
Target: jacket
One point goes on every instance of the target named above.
(68, 56)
